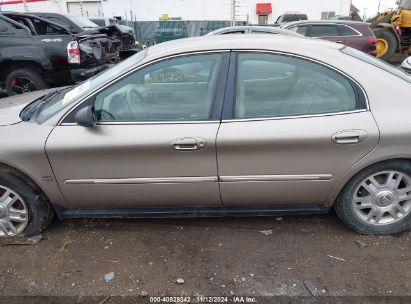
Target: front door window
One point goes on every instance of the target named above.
(179, 89)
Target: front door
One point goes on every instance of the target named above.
(296, 127)
(154, 143)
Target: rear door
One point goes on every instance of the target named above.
(293, 128)
(154, 143)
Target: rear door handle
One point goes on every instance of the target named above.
(189, 144)
(350, 137)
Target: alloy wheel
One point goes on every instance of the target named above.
(383, 198)
(21, 85)
(13, 213)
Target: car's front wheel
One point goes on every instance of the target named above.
(378, 199)
(23, 209)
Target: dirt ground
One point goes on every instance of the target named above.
(214, 257)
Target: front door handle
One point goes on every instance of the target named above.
(350, 137)
(189, 144)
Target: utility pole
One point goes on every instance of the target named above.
(81, 7)
(131, 11)
(233, 6)
(25, 6)
(379, 5)
(365, 13)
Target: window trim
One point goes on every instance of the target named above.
(216, 105)
(231, 91)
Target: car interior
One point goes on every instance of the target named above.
(179, 89)
(267, 86)
(276, 85)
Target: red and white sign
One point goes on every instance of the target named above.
(5, 2)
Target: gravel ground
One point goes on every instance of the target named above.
(214, 257)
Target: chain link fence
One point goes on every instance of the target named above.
(152, 32)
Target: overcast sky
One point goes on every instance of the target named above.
(371, 6)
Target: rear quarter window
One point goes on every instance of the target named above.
(347, 31)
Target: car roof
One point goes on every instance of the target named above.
(274, 30)
(347, 22)
(280, 43)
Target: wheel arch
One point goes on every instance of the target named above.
(6, 67)
(25, 177)
(354, 171)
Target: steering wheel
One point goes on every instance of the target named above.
(135, 100)
(106, 115)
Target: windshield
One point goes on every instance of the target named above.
(406, 4)
(69, 95)
(82, 22)
(376, 62)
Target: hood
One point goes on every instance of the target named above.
(10, 107)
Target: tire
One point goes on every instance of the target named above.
(38, 214)
(34, 79)
(352, 203)
(389, 38)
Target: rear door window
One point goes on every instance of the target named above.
(324, 30)
(45, 28)
(271, 85)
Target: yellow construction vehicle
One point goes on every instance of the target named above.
(393, 30)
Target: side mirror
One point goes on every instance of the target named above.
(86, 117)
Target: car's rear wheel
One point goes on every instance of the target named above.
(23, 209)
(25, 80)
(378, 199)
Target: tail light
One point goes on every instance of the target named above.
(73, 52)
(372, 41)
